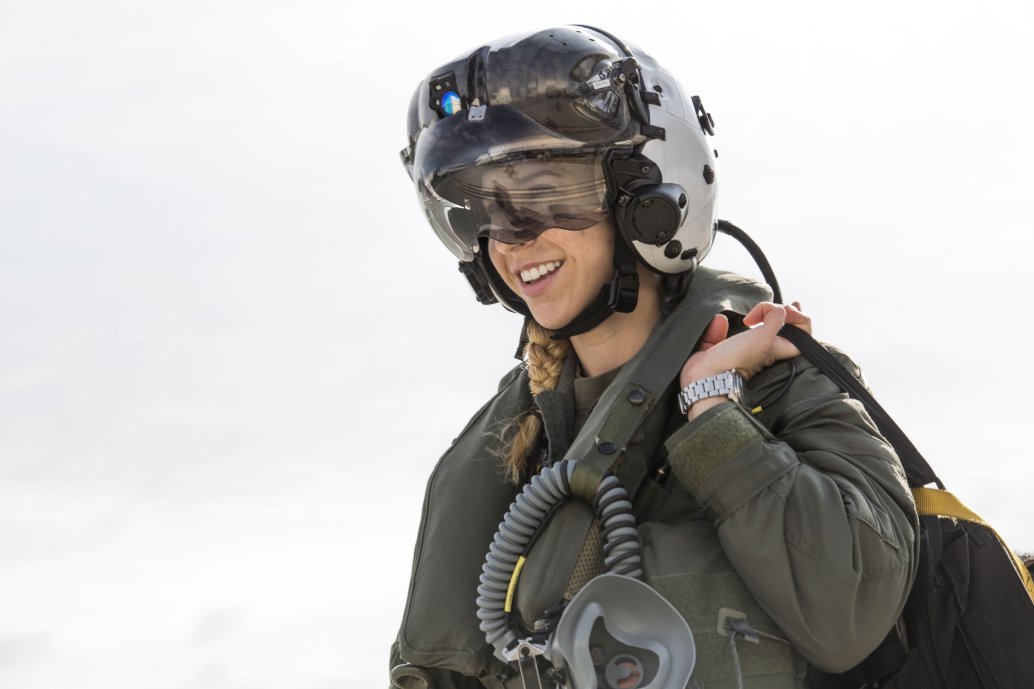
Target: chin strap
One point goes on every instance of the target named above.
(619, 295)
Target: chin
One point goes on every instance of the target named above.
(551, 320)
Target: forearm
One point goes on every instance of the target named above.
(819, 523)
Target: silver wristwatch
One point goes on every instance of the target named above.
(729, 383)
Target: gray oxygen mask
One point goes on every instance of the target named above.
(619, 633)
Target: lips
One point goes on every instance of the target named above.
(534, 279)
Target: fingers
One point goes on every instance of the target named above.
(749, 351)
(717, 331)
(767, 318)
(794, 316)
(776, 314)
(783, 348)
(770, 316)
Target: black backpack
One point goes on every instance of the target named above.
(969, 619)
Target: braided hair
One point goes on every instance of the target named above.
(544, 358)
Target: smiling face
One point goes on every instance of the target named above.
(558, 273)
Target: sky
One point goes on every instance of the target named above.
(232, 349)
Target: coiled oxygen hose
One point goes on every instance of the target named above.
(621, 547)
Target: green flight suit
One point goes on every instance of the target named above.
(797, 517)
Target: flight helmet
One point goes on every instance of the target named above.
(563, 128)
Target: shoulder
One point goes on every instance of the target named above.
(787, 388)
(711, 292)
(511, 377)
(707, 280)
(512, 398)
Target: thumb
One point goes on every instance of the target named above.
(717, 330)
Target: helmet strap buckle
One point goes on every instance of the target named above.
(675, 287)
(624, 291)
(478, 282)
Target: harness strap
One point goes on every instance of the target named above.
(639, 386)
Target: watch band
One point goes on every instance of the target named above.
(727, 383)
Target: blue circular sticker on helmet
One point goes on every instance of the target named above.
(450, 102)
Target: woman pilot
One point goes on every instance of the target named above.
(576, 184)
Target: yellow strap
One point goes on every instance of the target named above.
(941, 503)
(508, 607)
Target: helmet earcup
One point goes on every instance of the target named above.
(653, 213)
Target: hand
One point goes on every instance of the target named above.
(749, 351)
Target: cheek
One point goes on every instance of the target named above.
(599, 252)
(497, 259)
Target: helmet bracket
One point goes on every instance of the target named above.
(627, 74)
(704, 117)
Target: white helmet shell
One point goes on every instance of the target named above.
(686, 157)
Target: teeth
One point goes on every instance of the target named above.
(534, 273)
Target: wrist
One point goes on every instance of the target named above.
(727, 385)
(704, 405)
(690, 375)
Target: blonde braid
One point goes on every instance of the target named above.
(545, 360)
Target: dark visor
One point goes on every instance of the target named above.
(506, 177)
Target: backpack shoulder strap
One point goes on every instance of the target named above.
(930, 502)
(917, 469)
(941, 503)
